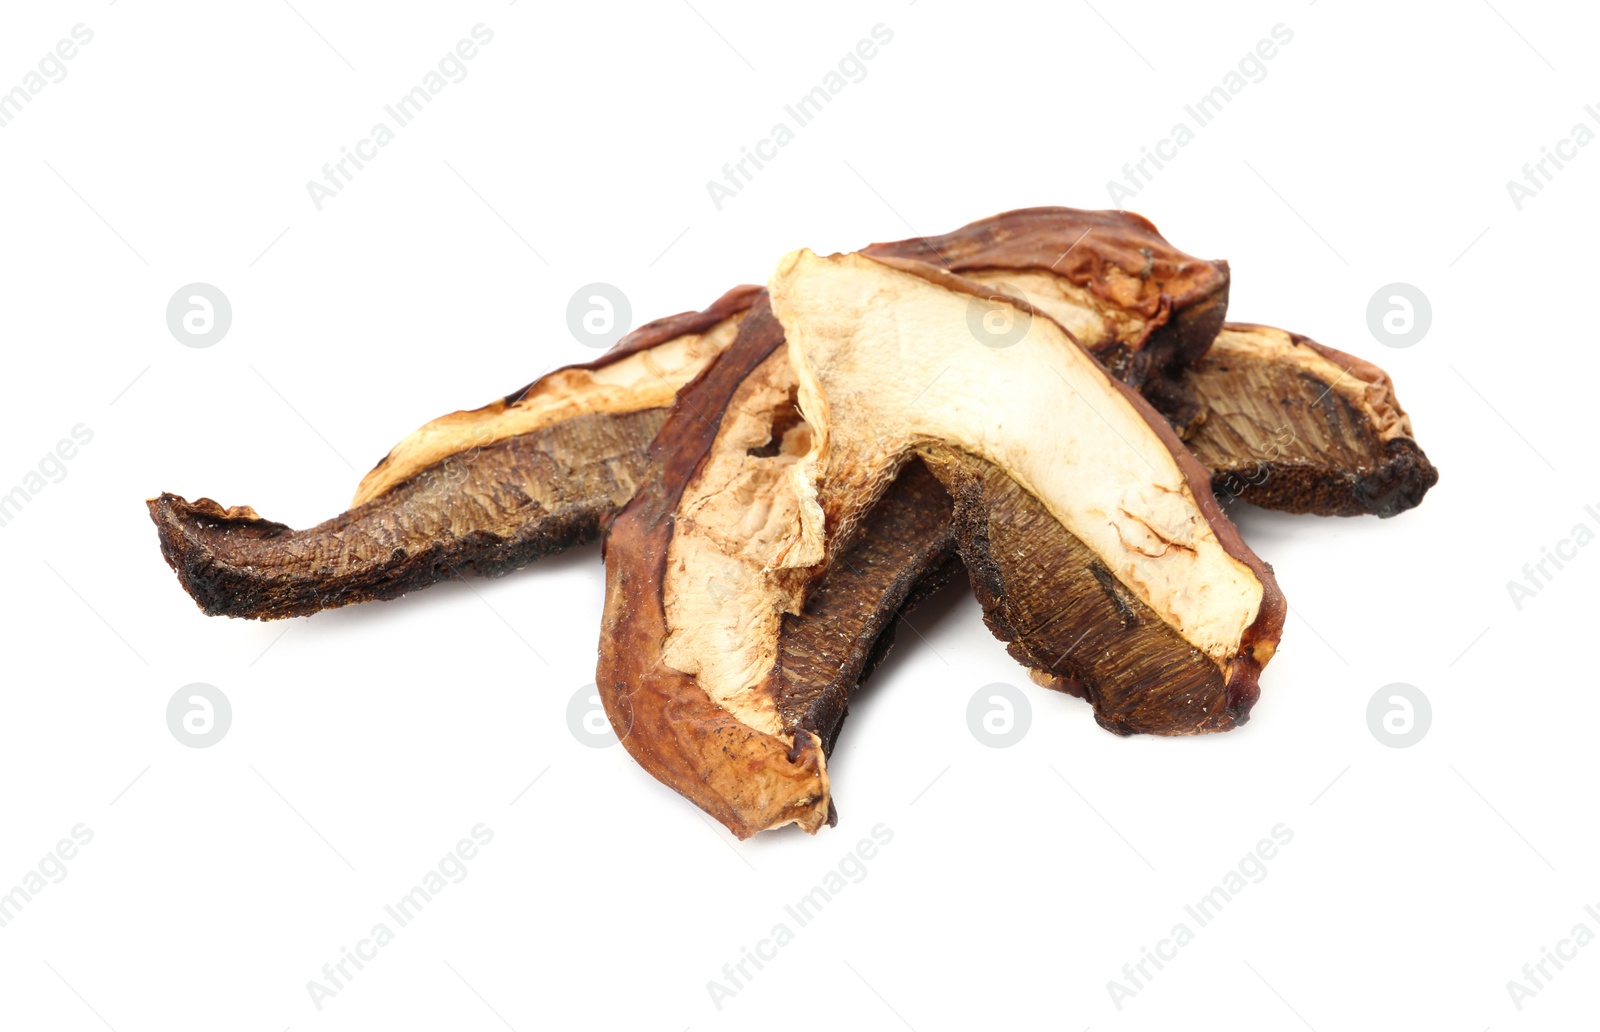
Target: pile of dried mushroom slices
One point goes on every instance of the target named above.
(1050, 398)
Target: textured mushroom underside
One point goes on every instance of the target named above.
(1297, 426)
(1075, 626)
(826, 651)
(485, 511)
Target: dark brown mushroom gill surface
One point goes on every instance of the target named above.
(825, 652)
(1073, 624)
(486, 511)
(1300, 427)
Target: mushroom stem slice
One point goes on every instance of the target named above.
(482, 492)
(1297, 426)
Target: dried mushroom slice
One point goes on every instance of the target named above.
(754, 759)
(1297, 426)
(887, 366)
(740, 766)
(1141, 306)
(482, 492)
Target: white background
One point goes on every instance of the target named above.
(366, 742)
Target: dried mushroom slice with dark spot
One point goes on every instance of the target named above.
(1141, 306)
(482, 492)
(887, 367)
(1297, 426)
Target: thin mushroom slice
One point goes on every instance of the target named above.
(481, 492)
(744, 770)
(754, 760)
(887, 366)
(1297, 426)
(1144, 308)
